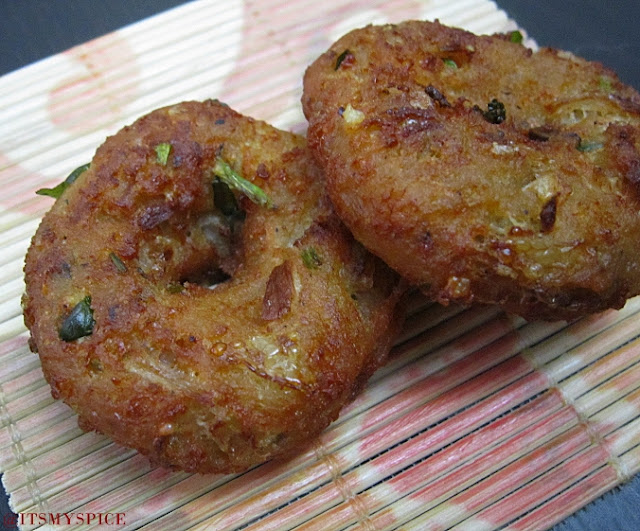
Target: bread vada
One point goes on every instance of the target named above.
(480, 170)
(192, 295)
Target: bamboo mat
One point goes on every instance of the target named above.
(480, 420)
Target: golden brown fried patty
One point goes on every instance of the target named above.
(480, 170)
(133, 337)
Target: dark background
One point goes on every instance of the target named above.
(602, 31)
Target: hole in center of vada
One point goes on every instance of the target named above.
(204, 250)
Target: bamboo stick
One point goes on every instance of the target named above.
(569, 501)
(560, 468)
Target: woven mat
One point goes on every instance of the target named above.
(480, 420)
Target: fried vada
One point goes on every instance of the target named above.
(480, 170)
(192, 295)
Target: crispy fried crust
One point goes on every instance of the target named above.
(205, 379)
(536, 208)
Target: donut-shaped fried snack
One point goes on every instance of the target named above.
(481, 170)
(192, 295)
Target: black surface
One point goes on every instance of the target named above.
(594, 29)
(34, 29)
(602, 31)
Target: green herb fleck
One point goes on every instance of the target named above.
(450, 63)
(231, 178)
(586, 146)
(120, 265)
(310, 258)
(57, 191)
(516, 37)
(341, 58)
(224, 200)
(79, 323)
(175, 287)
(605, 84)
(216, 100)
(496, 113)
(162, 153)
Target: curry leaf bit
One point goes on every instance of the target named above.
(79, 323)
(57, 191)
(450, 63)
(162, 153)
(496, 113)
(341, 58)
(586, 146)
(118, 263)
(516, 37)
(231, 178)
(310, 258)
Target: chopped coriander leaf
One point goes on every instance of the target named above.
(310, 258)
(516, 37)
(586, 146)
(341, 58)
(120, 265)
(79, 323)
(450, 63)
(57, 191)
(162, 153)
(230, 177)
(496, 113)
